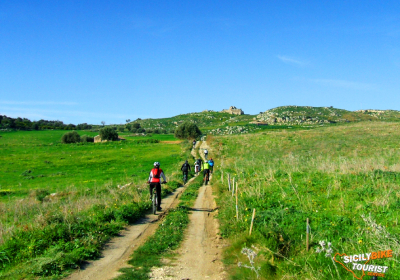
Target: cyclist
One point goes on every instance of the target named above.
(211, 163)
(199, 162)
(194, 143)
(205, 153)
(154, 180)
(185, 169)
(196, 167)
(206, 170)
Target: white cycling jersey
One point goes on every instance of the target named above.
(205, 151)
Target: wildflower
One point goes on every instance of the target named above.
(360, 241)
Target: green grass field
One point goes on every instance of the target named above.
(344, 178)
(37, 160)
(60, 203)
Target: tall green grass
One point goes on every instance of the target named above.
(345, 179)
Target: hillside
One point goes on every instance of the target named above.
(206, 120)
(219, 123)
(307, 115)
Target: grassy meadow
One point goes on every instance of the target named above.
(37, 160)
(60, 203)
(344, 178)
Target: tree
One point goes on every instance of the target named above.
(103, 123)
(128, 120)
(136, 125)
(71, 137)
(187, 130)
(108, 133)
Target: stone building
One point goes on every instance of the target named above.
(233, 110)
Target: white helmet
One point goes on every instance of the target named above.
(156, 164)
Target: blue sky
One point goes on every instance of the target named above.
(93, 61)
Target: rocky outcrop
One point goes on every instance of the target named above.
(300, 115)
(233, 110)
(97, 139)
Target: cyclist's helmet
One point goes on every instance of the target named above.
(156, 164)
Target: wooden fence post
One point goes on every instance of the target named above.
(233, 186)
(237, 209)
(307, 233)
(252, 220)
(229, 181)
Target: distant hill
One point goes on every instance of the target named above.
(206, 120)
(222, 123)
(307, 115)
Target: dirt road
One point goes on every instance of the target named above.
(200, 253)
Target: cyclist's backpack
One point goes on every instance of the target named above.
(211, 162)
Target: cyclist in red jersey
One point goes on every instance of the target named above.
(154, 180)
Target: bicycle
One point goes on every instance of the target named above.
(154, 199)
(207, 177)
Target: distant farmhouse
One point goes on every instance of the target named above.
(233, 110)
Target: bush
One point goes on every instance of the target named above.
(121, 129)
(87, 138)
(134, 130)
(140, 130)
(108, 133)
(187, 130)
(156, 131)
(71, 137)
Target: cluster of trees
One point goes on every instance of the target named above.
(187, 130)
(26, 124)
(74, 137)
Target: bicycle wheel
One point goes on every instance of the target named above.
(154, 202)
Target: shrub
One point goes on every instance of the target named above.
(187, 130)
(140, 130)
(134, 130)
(156, 131)
(87, 138)
(136, 125)
(70, 137)
(121, 129)
(108, 133)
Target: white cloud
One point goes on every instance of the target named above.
(345, 84)
(291, 60)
